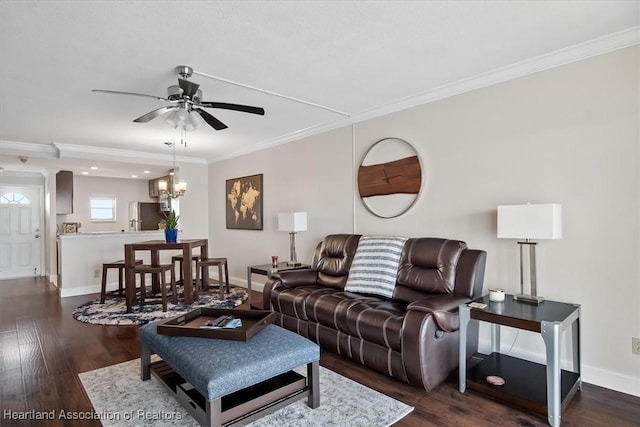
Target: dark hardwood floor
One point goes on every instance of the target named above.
(42, 350)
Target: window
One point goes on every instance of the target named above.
(103, 208)
(14, 199)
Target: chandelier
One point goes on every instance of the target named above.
(174, 187)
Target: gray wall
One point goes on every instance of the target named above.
(567, 135)
(311, 175)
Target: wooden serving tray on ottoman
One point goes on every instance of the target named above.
(191, 324)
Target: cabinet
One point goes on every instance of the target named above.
(154, 188)
(543, 388)
(64, 193)
(154, 191)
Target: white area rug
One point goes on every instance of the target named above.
(120, 398)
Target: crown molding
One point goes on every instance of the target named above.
(89, 152)
(584, 50)
(44, 150)
(289, 137)
(588, 49)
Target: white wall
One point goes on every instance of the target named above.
(194, 210)
(309, 175)
(567, 135)
(124, 190)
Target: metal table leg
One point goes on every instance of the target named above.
(495, 338)
(464, 313)
(249, 285)
(551, 336)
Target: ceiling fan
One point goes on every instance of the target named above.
(186, 100)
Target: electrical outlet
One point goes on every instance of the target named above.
(635, 346)
(96, 273)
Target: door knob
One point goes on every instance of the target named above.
(37, 236)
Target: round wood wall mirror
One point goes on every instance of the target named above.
(390, 178)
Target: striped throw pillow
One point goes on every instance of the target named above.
(375, 265)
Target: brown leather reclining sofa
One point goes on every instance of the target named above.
(413, 335)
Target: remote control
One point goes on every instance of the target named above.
(477, 305)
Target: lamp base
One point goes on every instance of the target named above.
(293, 264)
(530, 299)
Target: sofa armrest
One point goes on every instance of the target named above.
(287, 279)
(443, 308)
(293, 278)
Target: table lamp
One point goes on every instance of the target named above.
(292, 222)
(541, 221)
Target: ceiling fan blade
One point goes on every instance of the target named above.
(189, 88)
(236, 107)
(155, 113)
(116, 92)
(211, 121)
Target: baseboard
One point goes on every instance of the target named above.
(611, 380)
(257, 286)
(53, 279)
(95, 289)
(83, 290)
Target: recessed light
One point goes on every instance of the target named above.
(85, 173)
(94, 168)
(147, 171)
(134, 176)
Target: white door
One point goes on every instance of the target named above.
(21, 233)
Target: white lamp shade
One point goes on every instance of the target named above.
(292, 221)
(543, 221)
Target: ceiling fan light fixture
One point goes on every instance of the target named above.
(178, 118)
(183, 116)
(195, 120)
(172, 119)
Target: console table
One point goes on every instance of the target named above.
(268, 270)
(545, 389)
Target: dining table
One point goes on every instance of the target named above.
(154, 247)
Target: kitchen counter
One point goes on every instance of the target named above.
(81, 255)
(143, 234)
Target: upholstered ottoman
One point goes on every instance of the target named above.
(233, 382)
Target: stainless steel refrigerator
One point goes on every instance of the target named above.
(145, 216)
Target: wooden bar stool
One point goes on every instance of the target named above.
(210, 262)
(180, 259)
(161, 270)
(105, 268)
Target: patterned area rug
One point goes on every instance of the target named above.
(115, 390)
(114, 310)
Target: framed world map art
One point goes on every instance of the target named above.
(244, 202)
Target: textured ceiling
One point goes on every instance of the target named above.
(346, 60)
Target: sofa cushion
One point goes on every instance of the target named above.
(334, 259)
(322, 307)
(291, 301)
(379, 322)
(367, 317)
(375, 265)
(429, 264)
